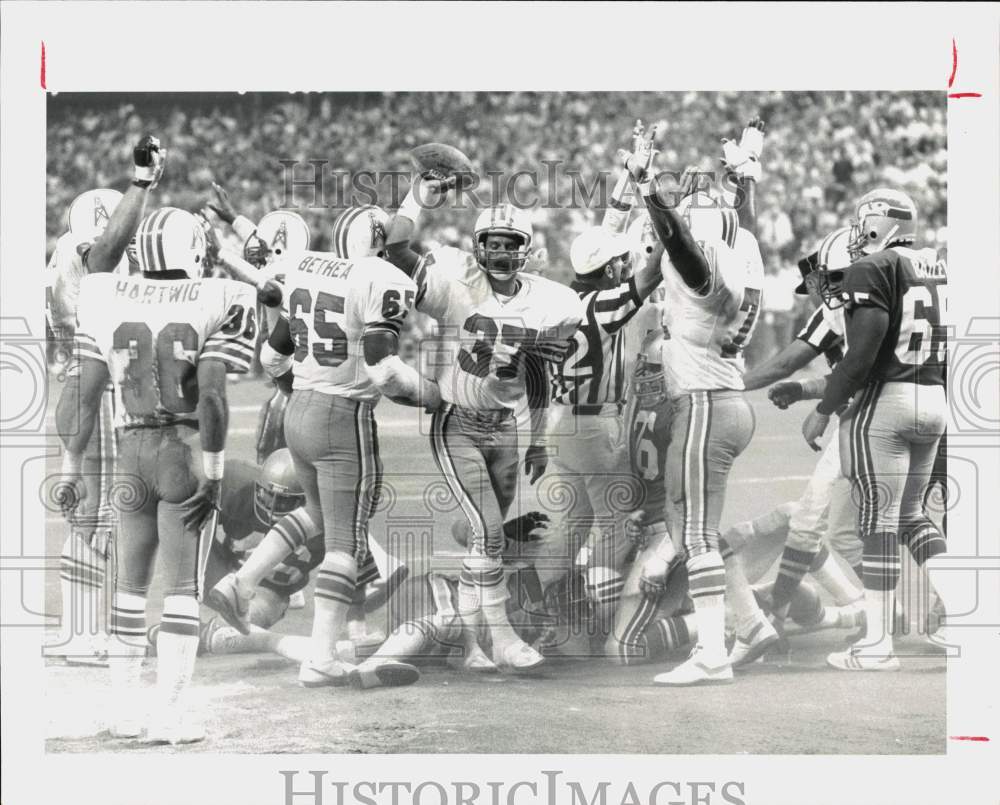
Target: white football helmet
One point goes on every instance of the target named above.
(279, 232)
(503, 220)
(883, 217)
(170, 239)
(360, 232)
(832, 257)
(642, 235)
(709, 219)
(90, 212)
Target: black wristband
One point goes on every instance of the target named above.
(143, 183)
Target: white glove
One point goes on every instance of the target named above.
(752, 140)
(740, 161)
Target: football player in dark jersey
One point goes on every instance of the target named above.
(893, 297)
(268, 501)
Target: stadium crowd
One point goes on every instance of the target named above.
(824, 149)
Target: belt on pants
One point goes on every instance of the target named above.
(486, 417)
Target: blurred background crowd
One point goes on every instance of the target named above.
(822, 150)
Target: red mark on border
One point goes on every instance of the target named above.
(951, 81)
(42, 77)
(968, 738)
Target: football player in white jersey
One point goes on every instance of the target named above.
(339, 344)
(165, 340)
(498, 328)
(100, 225)
(713, 297)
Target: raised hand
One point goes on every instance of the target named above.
(149, 160)
(222, 205)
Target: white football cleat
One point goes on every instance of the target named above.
(174, 728)
(387, 674)
(749, 648)
(297, 600)
(696, 671)
(332, 673)
(517, 656)
(232, 602)
(855, 659)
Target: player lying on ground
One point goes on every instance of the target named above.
(544, 606)
(267, 540)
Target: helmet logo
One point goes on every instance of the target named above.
(101, 216)
(377, 229)
(280, 237)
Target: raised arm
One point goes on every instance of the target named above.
(742, 161)
(423, 193)
(148, 158)
(684, 253)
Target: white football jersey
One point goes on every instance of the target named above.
(66, 268)
(331, 303)
(708, 333)
(151, 333)
(483, 338)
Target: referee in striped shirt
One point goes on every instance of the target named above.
(588, 393)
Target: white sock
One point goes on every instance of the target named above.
(879, 616)
(125, 654)
(263, 559)
(334, 592)
(293, 647)
(835, 582)
(81, 582)
(176, 650)
(740, 597)
(706, 578)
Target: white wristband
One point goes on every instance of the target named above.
(243, 227)
(72, 463)
(213, 464)
(410, 208)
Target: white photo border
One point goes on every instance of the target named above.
(145, 47)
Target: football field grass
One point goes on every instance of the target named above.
(785, 705)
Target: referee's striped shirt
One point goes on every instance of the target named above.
(593, 371)
(822, 337)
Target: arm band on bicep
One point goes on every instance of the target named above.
(244, 227)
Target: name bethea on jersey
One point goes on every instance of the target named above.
(157, 294)
(326, 268)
